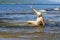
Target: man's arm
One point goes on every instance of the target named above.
(43, 21)
(34, 9)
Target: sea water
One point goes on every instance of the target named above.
(22, 13)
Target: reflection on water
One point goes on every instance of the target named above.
(40, 28)
(22, 29)
(21, 32)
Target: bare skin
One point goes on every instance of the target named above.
(39, 19)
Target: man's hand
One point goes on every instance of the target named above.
(31, 7)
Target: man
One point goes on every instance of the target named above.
(39, 20)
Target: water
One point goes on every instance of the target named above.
(51, 31)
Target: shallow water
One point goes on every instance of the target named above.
(51, 31)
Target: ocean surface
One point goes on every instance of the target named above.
(22, 13)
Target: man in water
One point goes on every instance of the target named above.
(39, 20)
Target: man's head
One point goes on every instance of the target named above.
(39, 14)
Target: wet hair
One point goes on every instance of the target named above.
(39, 15)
